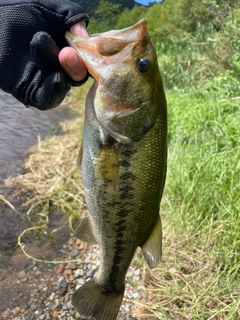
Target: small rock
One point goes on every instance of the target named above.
(65, 307)
(67, 297)
(52, 295)
(16, 311)
(56, 304)
(62, 283)
(135, 295)
(71, 241)
(68, 272)
(38, 273)
(78, 273)
(23, 280)
(21, 274)
(38, 312)
(73, 254)
(72, 266)
(59, 268)
(80, 282)
(25, 298)
(33, 307)
(55, 313)
(6, 314)
(91, 272)
(47, 316)
(137, 272)
(34, 292)
(27, 317)
(61, 292)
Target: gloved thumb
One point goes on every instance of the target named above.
(50, 82)
(45, 53)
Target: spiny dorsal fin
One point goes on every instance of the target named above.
(152, 248)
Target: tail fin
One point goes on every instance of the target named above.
(91, 302)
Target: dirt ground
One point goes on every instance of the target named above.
(13, 262)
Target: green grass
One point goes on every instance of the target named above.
(199, 277)
(204, 169)
(200, 209)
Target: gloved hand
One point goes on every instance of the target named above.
(31, 36)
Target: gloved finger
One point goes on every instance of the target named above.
(51, 92)
(45, 53)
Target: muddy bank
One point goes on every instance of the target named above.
(21, 128)
(14, 293)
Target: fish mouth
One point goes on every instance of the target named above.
(105, 49)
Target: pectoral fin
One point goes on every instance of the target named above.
(108, 163)
(152, 248)
(84, 231)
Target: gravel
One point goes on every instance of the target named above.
(49, 295)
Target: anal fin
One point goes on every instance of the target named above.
(84, 231)
(152, 248)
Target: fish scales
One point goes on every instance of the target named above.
(123, 159)
(123, 203)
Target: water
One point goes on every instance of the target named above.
(21, 128)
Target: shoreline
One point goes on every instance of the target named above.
(190, 278)
(38, 290)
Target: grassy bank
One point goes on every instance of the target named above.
(202, 202)
(200, 273)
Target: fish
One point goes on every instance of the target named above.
(123, 158)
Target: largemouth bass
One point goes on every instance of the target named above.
(123, 158)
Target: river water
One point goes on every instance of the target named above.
(21, 128)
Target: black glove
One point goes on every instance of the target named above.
(31, 36)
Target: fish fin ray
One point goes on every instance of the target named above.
(90, 301)
(79, 157)
(84, 231)
(152, 248)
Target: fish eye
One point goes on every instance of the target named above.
(143, 65)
